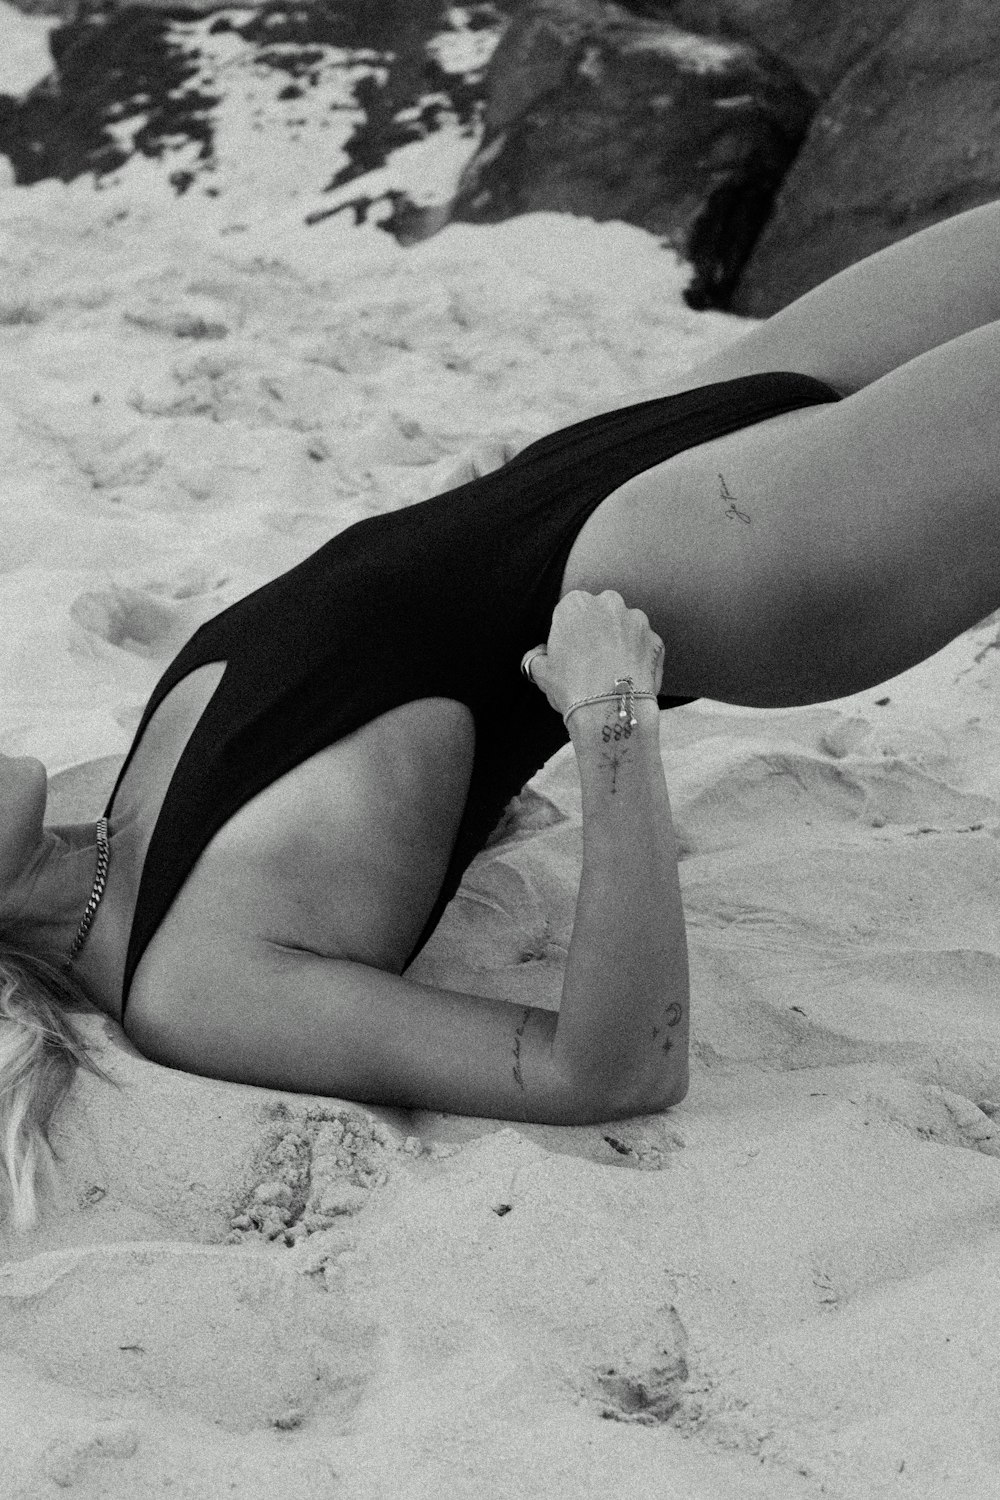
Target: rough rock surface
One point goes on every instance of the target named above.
(171, 83)
(690, 118)
(910, 135)
(597, 111)
(820, 42)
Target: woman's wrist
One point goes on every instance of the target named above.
(597, 723)
(621, 771)
(621, 702)
(622, 698)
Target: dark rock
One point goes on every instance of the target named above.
(594, 110)
(140, 80)
(910, 136)
(103, 67)
(818, 41)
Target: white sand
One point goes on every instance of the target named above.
(789, 1285)
(24, 50)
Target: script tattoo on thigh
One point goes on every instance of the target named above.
(518, 1034)
(734, 513)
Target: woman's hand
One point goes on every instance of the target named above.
(595, 639)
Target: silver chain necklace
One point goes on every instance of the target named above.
(100, 881)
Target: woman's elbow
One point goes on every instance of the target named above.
(644, 1094)
(675, 1087)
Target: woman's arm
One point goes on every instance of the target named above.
(623, 1020)
(259, 1012)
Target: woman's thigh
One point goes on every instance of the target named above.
(822, 551)
(880, 312)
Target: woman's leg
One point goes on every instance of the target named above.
(822, 551)
(881, 312)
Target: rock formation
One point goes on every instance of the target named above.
(818, 41)
(352, 84)
(772, 142)
(593, 110)
(909, 135)
(907, 129)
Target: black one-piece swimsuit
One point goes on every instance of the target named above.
(439, 599)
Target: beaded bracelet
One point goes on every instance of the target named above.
(624, 695)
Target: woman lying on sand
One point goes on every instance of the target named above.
(323, 759)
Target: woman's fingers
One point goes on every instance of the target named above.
(604, 625)
(528, 659)
(659, 657)
(540, 673)
(594, 640)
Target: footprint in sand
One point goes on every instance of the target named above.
(317, 1166)
(73, 1458)
(149, 622)
(973, 1127)
(648, 1150)
(646, 1383)
(195, 319)
(526, 814)
(739, 792)
(242, 1340)
(938, 1115)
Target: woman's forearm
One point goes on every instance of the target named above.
(622, 1033)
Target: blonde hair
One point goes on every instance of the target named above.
(40, 1051)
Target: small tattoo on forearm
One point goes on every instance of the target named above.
(613, 758)
(615, 734)
(667, 1043)
(734, 513)
(674, 1013)
(518, 1034)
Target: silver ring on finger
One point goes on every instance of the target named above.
(528, 658)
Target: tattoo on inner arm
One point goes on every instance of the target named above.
(734, 513)
(518, 1034)
(615, 735)
(668, 1042)
(613, 759)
